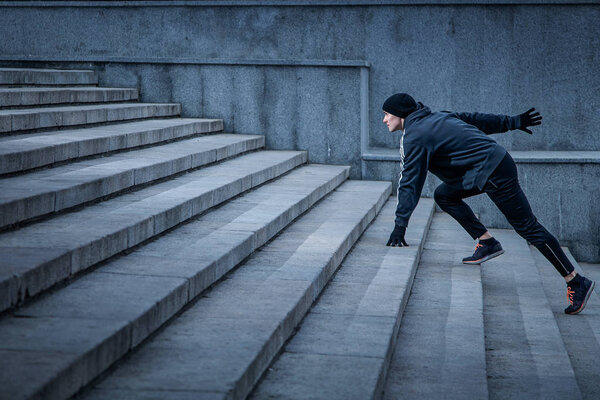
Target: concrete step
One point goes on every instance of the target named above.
(580, 333)
(62, 341)
(33, 96)
(38, 256)
(441, 351)
(526, 356)
(222, 344)
(344, 345)
(27, 151)
(52, 190)
(54, 117)
(29, 76)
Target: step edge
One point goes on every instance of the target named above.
(136, 340)
(295, 159)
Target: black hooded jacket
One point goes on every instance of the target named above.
(453, 146)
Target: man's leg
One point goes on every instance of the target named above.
(450, 199)
(504, 190)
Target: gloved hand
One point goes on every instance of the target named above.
(529, 118)
(397, 237)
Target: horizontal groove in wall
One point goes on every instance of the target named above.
(520, 156)
(192, 61)
(284, 3)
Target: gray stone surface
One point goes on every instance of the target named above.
(350, 332)
(103, 230)
(440, 351)
(225, 341)
(22, 152)
(93, 321)
(98, 318)
(475, 50)
(51, 117)
(581, 333)
(81, 182)
(25, 76)
(27, 96)
(525, 353)
(561, 187)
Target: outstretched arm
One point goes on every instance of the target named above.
(492, 123)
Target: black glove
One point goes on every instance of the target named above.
(397, 237)
(529, 118)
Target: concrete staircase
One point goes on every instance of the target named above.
(163, 259)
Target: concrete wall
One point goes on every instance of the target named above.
(313, 74)
(480, 57)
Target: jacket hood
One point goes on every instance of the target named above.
(421, 111)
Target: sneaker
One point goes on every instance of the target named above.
(484, 252)
(578, 294)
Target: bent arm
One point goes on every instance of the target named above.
(491, 123)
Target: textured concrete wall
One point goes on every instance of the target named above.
(563, 197)
(307, 93)
(281, 102)
(496, 58)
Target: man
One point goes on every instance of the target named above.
(455, 147)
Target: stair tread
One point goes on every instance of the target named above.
(26, 119)
(113, 308)
(38, 110)
(223, 342)
(31, 96)
(35, 257)
(76, 183)
(39, 139)
(344, 344)
(441, 340)
(526, 352)
(61, 89)
(580, 333)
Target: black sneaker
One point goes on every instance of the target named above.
(484, 252)
(578, 293)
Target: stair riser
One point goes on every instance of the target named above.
(15, 98)
(53, 119)
(142, 227)
(32, 77)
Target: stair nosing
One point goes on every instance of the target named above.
(334, 177)
(144, 224)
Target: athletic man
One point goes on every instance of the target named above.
(455, 147)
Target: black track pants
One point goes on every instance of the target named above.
(504, 190)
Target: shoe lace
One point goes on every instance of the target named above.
(478, 245)
(570, 294)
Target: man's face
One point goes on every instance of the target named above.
(393, 123)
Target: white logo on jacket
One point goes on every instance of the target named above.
(401, 162)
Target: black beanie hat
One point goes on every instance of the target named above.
(400, 105)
